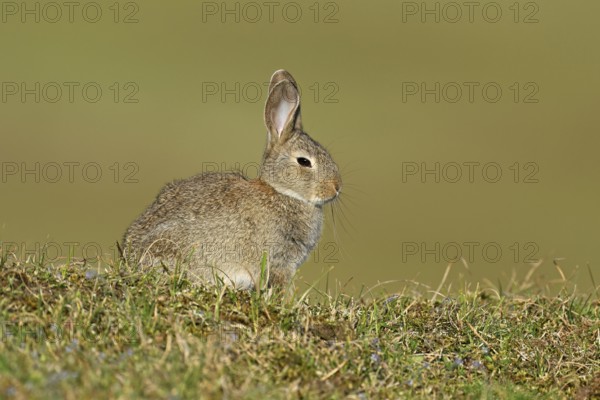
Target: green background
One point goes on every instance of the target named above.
(361, 57)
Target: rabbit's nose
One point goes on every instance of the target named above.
(338, 186)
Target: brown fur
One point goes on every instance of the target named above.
(219, 225)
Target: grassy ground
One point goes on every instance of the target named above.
(70, 332)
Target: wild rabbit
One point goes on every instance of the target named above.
(219, 225)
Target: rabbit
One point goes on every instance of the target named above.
(219, 226)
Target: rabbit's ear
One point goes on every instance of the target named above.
(281, 75)
(282, 111)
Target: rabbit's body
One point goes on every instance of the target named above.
(181, 226)
(220, 225)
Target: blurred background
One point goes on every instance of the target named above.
(462, 131)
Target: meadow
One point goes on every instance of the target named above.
(75, 331)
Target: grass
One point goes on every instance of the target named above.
(72, 332)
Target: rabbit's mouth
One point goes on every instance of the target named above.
(320, 201)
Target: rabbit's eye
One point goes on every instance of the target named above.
(305, 162)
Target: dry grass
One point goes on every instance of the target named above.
(70, 332)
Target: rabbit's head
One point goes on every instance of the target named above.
(294, 164)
